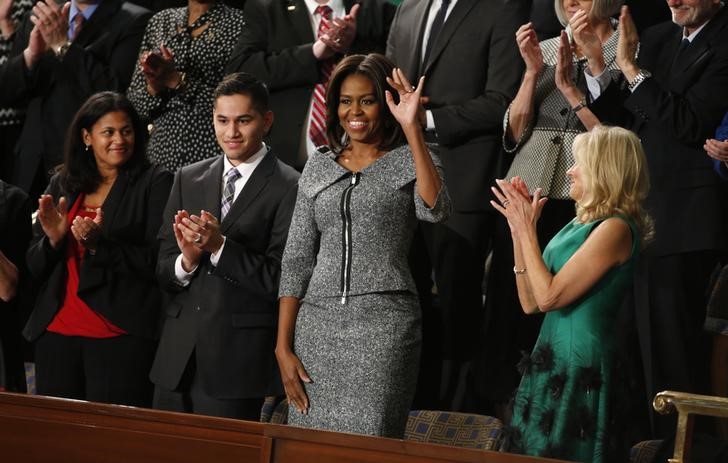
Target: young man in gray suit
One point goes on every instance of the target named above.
(224, 230)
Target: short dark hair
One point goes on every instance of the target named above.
(376, 68)
(242, 83)
(79, 172)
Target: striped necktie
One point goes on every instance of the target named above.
(228, 193)
(317, 129)
(78, 21)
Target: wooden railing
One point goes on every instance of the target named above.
(42, 429)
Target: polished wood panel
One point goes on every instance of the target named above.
(39, 429)
(299, 445)
(44, 429)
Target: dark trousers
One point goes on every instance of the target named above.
(113, 370)
(457, 250)
(669, 304)
(506, 331)
(190, 397)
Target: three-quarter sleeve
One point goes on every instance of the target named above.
(442, 208)
(302, 245)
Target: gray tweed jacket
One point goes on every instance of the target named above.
(351, 231)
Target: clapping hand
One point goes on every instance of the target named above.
(529, 48)
(87, 231)
(627, 45)
(53, 220)
(339, 35)
(717, 149)
(564, 75)
(587, 41)
(409, 112)
(520, 209)
(159, 70)
(51, 20)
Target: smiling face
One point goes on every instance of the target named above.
(576, 181)
(692, 14)
(359, 111)
(111, 139)
(239, 127)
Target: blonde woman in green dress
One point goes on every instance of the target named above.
(562, 406)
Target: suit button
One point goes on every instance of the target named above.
(564, 111)
(556, 140)
(197, 308)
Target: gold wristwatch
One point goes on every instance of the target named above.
(62, 49)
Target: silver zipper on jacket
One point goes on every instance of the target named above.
(346, 237)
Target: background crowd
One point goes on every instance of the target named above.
(162, 194)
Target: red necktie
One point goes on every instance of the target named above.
(317, 129)
(77, 25)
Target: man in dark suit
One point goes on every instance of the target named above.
(280, 46)
(61, 56)
(678, 93)
(466, 50)
(215, 354)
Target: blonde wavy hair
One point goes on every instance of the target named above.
(615, 177)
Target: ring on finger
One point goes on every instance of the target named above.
(506, 203)
(84, 237)
(198, 239)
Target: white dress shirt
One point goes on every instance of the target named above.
(434, 8)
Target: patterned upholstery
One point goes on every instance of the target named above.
(455, 429)
(280, 412)
(644, 452)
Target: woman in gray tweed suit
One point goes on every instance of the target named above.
(345, 283)
(563, 78)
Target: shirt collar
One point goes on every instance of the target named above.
(246, 167)
(86, 12)
(695, 33)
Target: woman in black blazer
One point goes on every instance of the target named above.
(93, 255)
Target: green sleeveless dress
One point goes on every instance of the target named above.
(561, 408)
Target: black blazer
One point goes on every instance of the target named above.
(227, 314)
(102, 57)
(14, 237)
(118, 281)
(473, 73)
(673, 113)
(276, 46)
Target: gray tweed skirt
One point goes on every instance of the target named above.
(362, 357)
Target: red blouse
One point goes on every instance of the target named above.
(75, 317)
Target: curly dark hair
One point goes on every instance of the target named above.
(376, 68)
(79, 172)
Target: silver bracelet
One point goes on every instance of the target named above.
(519, 271)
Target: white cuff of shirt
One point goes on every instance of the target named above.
(430, 121)
(183, 277)
(215, 256)
(597, 84)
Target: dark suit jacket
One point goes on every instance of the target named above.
(673, 113)
(227, 314)
(14, 237)
(118, 281)
(101, 58)
(276, 47)
(473, 73)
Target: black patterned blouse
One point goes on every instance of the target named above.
(12, 116)
(182, 131)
